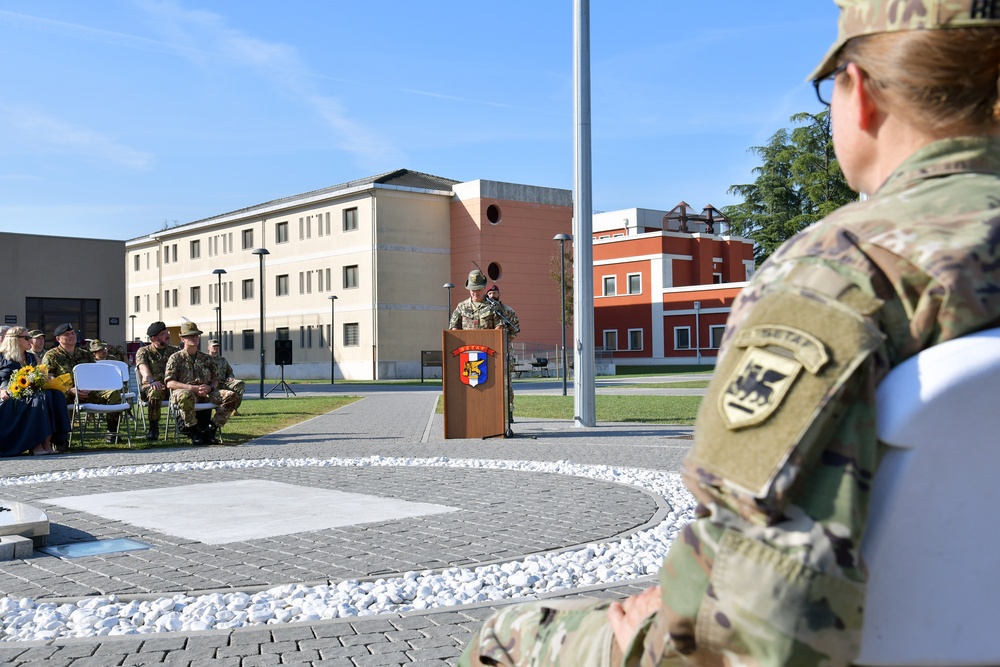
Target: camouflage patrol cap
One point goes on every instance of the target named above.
(189, 329)
(476, 280)
(97, 344)
(869, 17)
(214, 342)
(35, 333)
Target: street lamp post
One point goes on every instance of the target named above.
(333, 336)
(447, 309)
(260, 252)
(132, 317)
(562, 238)
(218, 299)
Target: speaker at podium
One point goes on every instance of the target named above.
(283, 352)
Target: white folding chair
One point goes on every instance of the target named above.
(97, 377)
(932, 547)
(174, 417)
(127, 394)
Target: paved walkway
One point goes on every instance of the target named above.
(500, 515)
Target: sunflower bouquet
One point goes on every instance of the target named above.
(27, 381)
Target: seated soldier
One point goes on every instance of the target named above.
(191, 376)
(150, 364)
(227, 378)
(99, 349)
(63, 357)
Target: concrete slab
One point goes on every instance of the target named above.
(14, 547)
(224, 512)
(24, 520)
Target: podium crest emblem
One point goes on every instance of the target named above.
(474, 363)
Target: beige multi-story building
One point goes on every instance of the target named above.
(383, 246)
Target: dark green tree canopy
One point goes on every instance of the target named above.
(798, 183)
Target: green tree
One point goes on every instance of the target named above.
(798, 182)
(555, 268)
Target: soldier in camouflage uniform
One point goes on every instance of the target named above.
(227, 378)
(192, 377)
(99, 349)
(512, 329)
(785, 450)
(151, 366)
(63, 357)
(477, 312)
(37, 343)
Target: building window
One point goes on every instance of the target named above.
(248, 239)
(351, 277)
(166, 254)
(635, 339)
(302, 336)
(174, 246)
(610, 339)
(351, 220)
(248, 289)
(309, 336)
(248, 342)
(195, 296)
(281, 285)
(309, 282)
(195, 249)
(137, 304)
(174, 295)
(328, 223)
(302, 282)
(281, 232)
(319, 332)
(281, 333)
(319, 280)
(352, 335)
(135, 262)
(682, 338)
(610, 285)
(635, 283)
(166, 298)
(715, 333)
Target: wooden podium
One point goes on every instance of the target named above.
(474, 377)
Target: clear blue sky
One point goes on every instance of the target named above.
(120, 115)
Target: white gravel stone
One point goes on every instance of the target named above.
(637, 555)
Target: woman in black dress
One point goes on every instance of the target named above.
(27, 425)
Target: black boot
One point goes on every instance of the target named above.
(193, 433)
(153, 434)
(210, 434)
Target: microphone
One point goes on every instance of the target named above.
(492, 302)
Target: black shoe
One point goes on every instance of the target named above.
(59, 443)
(110, 438)
(153, 434)
(193, 433)
(210, 434)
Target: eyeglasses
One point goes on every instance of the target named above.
(824, 86)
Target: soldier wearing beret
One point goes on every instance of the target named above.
(785, 445)
(192, 377)
(63, 357)
(227, 378)
(151, 364)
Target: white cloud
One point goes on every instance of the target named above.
(39, 132)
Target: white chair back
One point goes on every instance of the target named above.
(932, 548)
(97, 377)
(121, 366)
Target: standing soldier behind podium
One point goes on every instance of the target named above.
(227, 378)
(192, 377)
(150, 365)
(513, 327)
(477, 313)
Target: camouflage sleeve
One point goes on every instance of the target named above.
(171, 374)
(141, 356)
(512, 331)
(456, 319)
(784, 452)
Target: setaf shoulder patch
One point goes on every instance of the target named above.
(776, 388)
(774, 356)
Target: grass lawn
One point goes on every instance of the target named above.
(692, 384)
(641, 409)
(256, 418)
(640, 371)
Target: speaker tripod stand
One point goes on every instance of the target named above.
(282, 385)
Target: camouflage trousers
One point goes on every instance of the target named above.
(105, 398)
(185, 401)
(567, 633)
(154, 399)
(235, 386)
